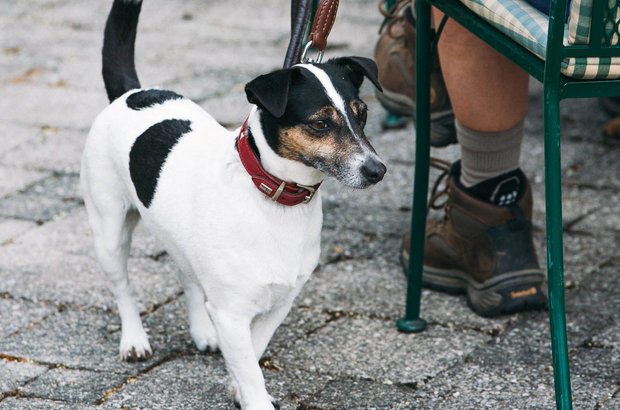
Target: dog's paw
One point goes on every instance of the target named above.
(135, 348)
(204, 339)
(274, 403)
(253, 406)
(272, 406)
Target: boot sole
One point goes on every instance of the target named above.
(502, 294)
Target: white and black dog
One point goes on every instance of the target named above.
(239, 212)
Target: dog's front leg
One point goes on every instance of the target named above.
(265, 325)
(235, 339)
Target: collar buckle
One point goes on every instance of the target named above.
(311, 191)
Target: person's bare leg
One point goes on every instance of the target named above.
(489, 97)
(488, 92)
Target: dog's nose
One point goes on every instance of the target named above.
(373, 170)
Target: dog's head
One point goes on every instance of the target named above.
(312, 113)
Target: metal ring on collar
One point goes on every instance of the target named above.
(319, 56)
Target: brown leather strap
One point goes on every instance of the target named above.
(323, 21)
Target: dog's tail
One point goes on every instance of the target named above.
(119, 71)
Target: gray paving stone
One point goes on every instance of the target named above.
(294, 388)
(526, 382)
(65, 234)
(33, 207)
(611, 402)
(593, 307)
(299, 324)
(186, 382)
(71, 234)
(597, 364)
(609, 338)
(52, 150)
(76, 387)
(363, 395)
(43, 200)
(352, 244)
(62, 278)
(60, 107)
(78, 340)
(12, 135)
(345, 215)
(376, 288)
(14, 179)
(168, 329)
(18, 315)
(344, 286)
(201, 382)
(12, 403)
(10, 229)
(14, 374)
(382, 353)
(586, 255)
(57, 264)
(484, 387)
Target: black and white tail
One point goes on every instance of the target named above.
(119, 71)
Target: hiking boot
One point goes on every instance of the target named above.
(395, 57)
(484, 248)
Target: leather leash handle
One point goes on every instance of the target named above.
(300, 17)
(323, 23)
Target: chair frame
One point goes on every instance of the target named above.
(556, 87)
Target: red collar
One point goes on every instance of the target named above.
(280, 191)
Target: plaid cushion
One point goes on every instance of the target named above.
(581, 17)
(579, 21)
(528, 26)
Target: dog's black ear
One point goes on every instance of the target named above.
(360, 67)
(270, 91)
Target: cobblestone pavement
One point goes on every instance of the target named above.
(339, 348)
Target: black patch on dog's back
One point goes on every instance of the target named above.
(148, 98)
(149, 152)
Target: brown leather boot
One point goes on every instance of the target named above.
(485, 251)
(395, 57)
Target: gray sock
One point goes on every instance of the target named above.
(485, 155)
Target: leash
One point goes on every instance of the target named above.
(323, 21)
(280, 191)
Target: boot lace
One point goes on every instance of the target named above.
(392, 16)
(439, 194)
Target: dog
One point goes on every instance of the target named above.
(239, 212)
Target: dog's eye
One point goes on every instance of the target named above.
(319, 125)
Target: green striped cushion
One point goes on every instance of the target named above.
(528, 26)
(581, 17)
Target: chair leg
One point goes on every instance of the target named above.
(555, 267)
(412, 321)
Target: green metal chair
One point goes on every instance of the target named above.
(577, 59)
